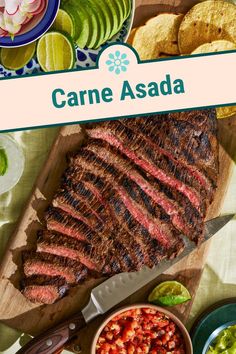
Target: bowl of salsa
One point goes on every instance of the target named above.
(142, 329)
(24, 21)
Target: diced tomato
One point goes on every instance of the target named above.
(171, 345)
(140, 331)
(131, 348)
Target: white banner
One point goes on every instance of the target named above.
(119, 86)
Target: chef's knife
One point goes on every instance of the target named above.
(110, 293)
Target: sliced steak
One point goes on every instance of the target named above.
(62, 222)
(91, 198)
(120, 212)
(53, 266)
(190, 137)
(171, 143)
(182, 214)
(127, 199)
(67, 200)
(43, 289)
(61, 245)
(144, 156)
(157, 224)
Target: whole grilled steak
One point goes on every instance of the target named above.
(128, 198)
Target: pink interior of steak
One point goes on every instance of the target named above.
(63, 251)
(46, 294)
(120, 206)
(159, 174)
(42, 268)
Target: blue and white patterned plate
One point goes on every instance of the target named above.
(84, 57)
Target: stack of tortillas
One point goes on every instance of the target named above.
(210, 26)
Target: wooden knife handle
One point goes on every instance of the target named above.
(54, 339)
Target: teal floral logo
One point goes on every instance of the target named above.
(117, 62)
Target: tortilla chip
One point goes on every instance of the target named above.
(158, 35)
(215, 46)
(131, 36)
(225, 112)
(206, 22)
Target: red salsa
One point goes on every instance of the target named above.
(141, 331)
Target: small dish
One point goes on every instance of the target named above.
(35, 28)
(85, 58)
(16, 163)
(211, 322)
(180, 325)
(215, 334)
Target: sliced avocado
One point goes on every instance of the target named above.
(94, 6)
(123, 13)
(93, 20)
(128, 6)
(77, 25)
(81, 19)
(116, 14)
(120, 6)
(107, 17)
(124, 9)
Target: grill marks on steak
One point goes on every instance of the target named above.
(159, 226)
(61, 245)
(182, 214)
(124, 217)
(124, 200)
(67, 200)
(145, 157)
(45, 264)
(44, 289)
(134, 249)
(62, 222)
(190, 138)
(171, 143)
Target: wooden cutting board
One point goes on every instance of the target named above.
(19, 313)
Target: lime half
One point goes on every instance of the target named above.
(64, 22)
(3, 162)
(17, 58)
(169, 293)
(56, 51)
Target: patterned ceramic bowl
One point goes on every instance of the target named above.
(35, 28)
(85, 58)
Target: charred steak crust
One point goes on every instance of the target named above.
(63, 246)
(44, 289)
(183, 216)
(53, 266)
(128, 198)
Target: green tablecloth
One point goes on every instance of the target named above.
(219, 277)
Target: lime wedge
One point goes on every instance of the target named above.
(169, 293)
(17, 58)
(3, 162)
(64, 22)
(56, 52)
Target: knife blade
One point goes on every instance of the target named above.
(110, 293)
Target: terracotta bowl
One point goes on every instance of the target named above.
(187, 339)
